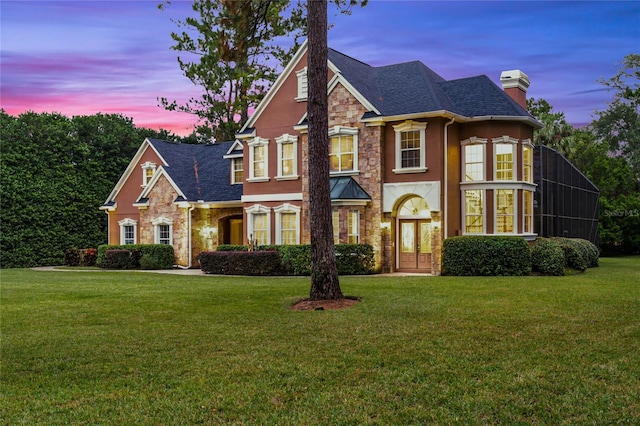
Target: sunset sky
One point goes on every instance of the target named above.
(85, 57)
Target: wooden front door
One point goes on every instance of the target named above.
(414, 245)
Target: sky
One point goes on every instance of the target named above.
(88, 57)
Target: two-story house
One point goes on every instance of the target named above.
(414, 159)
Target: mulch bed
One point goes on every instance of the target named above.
(321, 305)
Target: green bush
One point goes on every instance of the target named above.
(486, 255)
(72, 257)
(240, 262)
(547, 258)
(296, 259)
(231, 247)
(573, 255)
(355, 259)
(117, 259)
(162, 254)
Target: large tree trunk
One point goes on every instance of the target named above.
(324, 272)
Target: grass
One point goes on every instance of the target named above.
(142, 348)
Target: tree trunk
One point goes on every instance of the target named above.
(324, 271)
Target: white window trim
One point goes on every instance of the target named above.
(335, 222)
(286, 208)
(464, 212)
(303, 85)
(233, 169)
(526, 143)
(514, 153)
(474, 141)
(258, 141)
(258, 208)
(128, 222)
(357, 226)
(515, 211)
(145, 167)
(286, 139)
(346, 131)
(156, 229)
(407, 126)
(524, 209)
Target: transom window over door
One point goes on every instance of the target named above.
(410, 147)
(343, 149)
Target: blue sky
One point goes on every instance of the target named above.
(85, 57)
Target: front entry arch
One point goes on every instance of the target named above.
(413, 236)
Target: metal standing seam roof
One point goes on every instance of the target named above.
(346, 188)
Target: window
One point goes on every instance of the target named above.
(237, 172)
(343, 149)
(354, 226)
(287, 219)
(527, 161)
(128, 231)
(527, 206)
(148, 169)
(410, 147)
(258, 160)
(302, 84)
(335, 215)
(287, 156)
(505, 211)
(258, 224)
(504, 154)
(473, 211)
(473, 159)
(163, 229)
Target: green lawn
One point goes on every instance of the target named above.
(143, 348)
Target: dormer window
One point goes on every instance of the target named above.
(148, 169)
(302, 85)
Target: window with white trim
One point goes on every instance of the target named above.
(343, 149)
(527, 161)
(302, 85)
(527, 206)
(473, 211)
(258, 159)
(287, 224)
(354, 226)
(163, 230)
(335, 216)
(237, 170)
(128, 231)
(410, 147)
(259, 224)
(148, 169)
(504, 154)
(473, 159)
(505, 211)
(287, 156)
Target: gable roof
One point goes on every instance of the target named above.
(199, 171)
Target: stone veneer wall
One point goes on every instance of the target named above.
(203, 241)
(346, 110)
(161, 204)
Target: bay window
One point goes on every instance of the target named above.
(505, 211)
(473, 211)
(473, 159)
(504, 153)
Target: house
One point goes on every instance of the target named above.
(414, 159)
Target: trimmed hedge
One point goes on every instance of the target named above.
(118, 259)
(547, 258)
(351, 259)
(588, 254)
(160, 256)
(486, 255)
(80, 257)
(240, 262)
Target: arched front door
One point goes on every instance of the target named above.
(413, 236)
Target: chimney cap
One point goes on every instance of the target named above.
(514, 78)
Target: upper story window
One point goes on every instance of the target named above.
(128, 231)
(148, 169)
(504, 153)
(343, 150)
(163, 230)
(410, 147)
(302, 85)
(287, 224)
(237, 172)
(287, 157)
(258, 160)
(527, 161)
(473, 159)
(259, 224)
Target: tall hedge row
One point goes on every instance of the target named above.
(485, 255)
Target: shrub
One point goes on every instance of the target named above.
(547, 257)
(296, 260)
(88, 257)
(486, 255)
(72, 257)
(149, 263)
(231, 247)
(162, 254)
(354, 259)
(240, 262)
(573, 256)
(117, 259)
(587, 250)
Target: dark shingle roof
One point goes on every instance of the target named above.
(200, 171)
(412, 87)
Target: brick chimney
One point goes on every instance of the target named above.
(515, 84)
